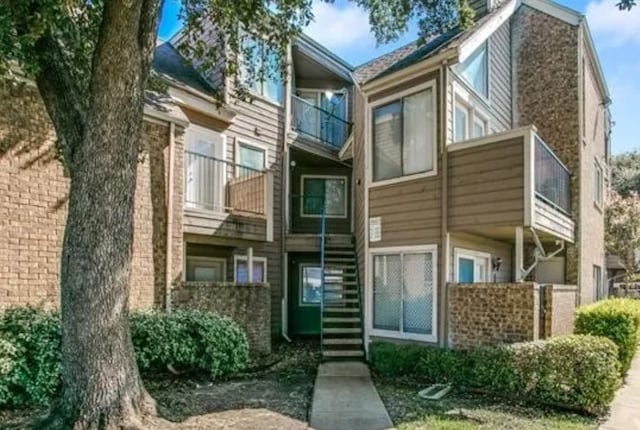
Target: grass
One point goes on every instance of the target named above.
(274, 393)
(466, 411)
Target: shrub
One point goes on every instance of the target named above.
(573, 371)
(189, 340)
(615, 319)
(35, 373)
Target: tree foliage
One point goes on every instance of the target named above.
(622, 230)
(625, 173)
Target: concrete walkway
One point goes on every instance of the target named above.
(625, 409)
(344, 398)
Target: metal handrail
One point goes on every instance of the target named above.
(329, 128)
(552, 178)
(360, 295)
(318, 108)
(228, 163)
(323, 227)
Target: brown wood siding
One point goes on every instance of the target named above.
(409, 211)
(500, 89)
(482, 244)
(359, 179)
(486, 185)
(404, 86)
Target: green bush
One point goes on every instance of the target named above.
(35, 373)
(189, 340)
(615, 319)
(572, 371)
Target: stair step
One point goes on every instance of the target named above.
(340, 330)
(340, 301)
(339, 252)
(342, 310)
(342, 341)
(339, 283)
(343, 353)
(341, 292)
(341, 319)
(330, 260)
(338, 267)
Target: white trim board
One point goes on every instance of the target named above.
(237, 258)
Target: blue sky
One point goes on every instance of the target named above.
(343, 27)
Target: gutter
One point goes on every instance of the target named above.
(444, 243)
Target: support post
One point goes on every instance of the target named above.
(250, 264)
(519, 263)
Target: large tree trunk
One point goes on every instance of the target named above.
(101, 385)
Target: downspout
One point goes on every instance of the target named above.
(445, 204)
(284, 213)
(170, 192)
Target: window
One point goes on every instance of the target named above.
(403, 136)
(329, 192)
(598, 183)
(206, 269)
(404, 293)
(263, 75)
(471, 266)
(598, 289)
(241, 269)
(250, 156)
(311, 284)
(468, 121)
(475, 70)
(204, 173)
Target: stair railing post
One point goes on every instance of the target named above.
(360, 293)
(323, 227)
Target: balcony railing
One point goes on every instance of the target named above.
(319, 123)
(217, 185)
(552, 178)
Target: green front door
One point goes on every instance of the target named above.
(304, 294)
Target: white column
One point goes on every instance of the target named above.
(250, 264)
(519, 263)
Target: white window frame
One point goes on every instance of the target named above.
(464, 100)
(205, 259)
(346, 198)
(252, 145)
(371, 129)
(598, 184)
(418, 249)
(476, 256)
(237, 258)
(301, 268)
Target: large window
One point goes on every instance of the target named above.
(404, 136)
(471, 266)
(205, 269)
(329, 192)
(250, 156)
(475, 70)
(468, 121)
(259, 69)
(241, 269)
(404, 293)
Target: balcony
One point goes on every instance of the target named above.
(317, 124)
(507, 180)
(226, 199)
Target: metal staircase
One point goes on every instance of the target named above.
(341, 305)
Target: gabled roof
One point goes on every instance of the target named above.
(170, 65)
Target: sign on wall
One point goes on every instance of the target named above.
(375, 229)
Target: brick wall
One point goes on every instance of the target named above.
(490, 314)
(247, 304)
(559, 309)
(33, 200)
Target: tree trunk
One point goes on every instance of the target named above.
(101, 385)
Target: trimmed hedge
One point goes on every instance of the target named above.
(615, 319)
(580, 372)
(188, 340)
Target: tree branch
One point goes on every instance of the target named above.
(63, 97)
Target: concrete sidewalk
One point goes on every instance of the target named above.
(344, 398)
(625, 409)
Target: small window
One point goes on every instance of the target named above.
(475, 70)
(479, 128)
(206, 269)
(468, 122)
(598, 184)
(327, 192)
(263, 76)
(598, 290)
(461, 122)
(241, 271)
(250, 158)
(403, 136)
(471, 266)
(311, 284)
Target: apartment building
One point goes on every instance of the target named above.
(418, 196)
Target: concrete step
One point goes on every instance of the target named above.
(339, 330)
(341, 320)
(342, 341)
(342, 310)
(343, 353)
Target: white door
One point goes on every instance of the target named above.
(550, 271)
(205, 169)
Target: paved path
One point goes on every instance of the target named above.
(625, 409)
(344, 398)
